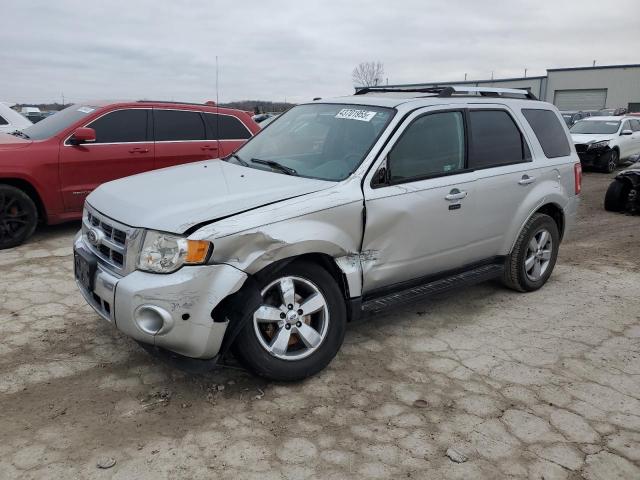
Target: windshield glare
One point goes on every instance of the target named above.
(56, 123)
(321, 141)
(595, 127)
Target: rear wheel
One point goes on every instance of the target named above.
(534, 254)
(616, 196)
(18, 216)
(299, 327)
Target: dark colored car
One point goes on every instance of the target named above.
(48, 168)
(623, 195)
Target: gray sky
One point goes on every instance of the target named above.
(277, 49)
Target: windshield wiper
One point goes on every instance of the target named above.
(242, 162)
(18, 133)
(276, 166)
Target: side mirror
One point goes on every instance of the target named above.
(626, 132)
(83, 135)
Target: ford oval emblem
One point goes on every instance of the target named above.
(94, 236)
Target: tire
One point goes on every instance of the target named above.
(18, 216)
(611, 162)
(284, 349)
(616, 196)
(520, 274)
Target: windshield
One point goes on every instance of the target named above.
(595, 127)
(54, 124)
(321, 141)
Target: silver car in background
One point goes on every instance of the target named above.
(342, 208)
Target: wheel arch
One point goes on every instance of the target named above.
(28, 188)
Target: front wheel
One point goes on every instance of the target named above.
(299, 327)
(18, 216)
(611, 162)
(534, 254)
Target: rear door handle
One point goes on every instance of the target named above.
(138, 150)
(454, 195)
(209, 147)
(526, 180)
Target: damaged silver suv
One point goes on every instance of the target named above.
(339, 209)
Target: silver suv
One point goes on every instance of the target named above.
(337, 210)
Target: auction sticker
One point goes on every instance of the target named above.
(355, 114)
(86, 109)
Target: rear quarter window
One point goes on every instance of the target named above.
(3, 121)
(549, 132)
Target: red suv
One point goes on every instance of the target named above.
(47, 169)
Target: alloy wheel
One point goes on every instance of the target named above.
(14, 217)
(293, 320)
(538, 256)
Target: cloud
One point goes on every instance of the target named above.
(296, 50)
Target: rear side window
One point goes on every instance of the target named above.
(432, 145)
(3, 121)
(229, 127)
(121, 126)
(548, 131)
(495, 140)
(177, 125)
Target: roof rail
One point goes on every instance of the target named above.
(450, 91)
(170, 102)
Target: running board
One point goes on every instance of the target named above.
(469, 277)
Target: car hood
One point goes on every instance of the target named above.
(589, 137)
(11, 142)
(177, 198)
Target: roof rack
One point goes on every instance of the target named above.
(449, 91)
(170, 102)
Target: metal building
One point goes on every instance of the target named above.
(577, 88)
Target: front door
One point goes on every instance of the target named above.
(421, 220)
(122, 148)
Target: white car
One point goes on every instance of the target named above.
(602, 142)
(10, 120)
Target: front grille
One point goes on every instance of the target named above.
(581, 147)
(112, 243)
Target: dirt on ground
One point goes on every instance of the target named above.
(484, 383)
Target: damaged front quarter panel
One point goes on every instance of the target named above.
(328, 222)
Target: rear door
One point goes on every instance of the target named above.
(181, 137)
(626, 142)
(123, 147)
(230, 132)
(635, 127)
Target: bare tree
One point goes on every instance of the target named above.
(368, 74)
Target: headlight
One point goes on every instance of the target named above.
(166, 253)
(602, 144)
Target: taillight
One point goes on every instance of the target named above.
(577, 175)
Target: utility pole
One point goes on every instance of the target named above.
(594, 63)
(62, 99)
(465, 77)
(525, 73)
(491, 75)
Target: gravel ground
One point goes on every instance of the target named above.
(541, 385)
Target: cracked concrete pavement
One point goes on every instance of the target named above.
(527, 386)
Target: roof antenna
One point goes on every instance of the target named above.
(217, 110)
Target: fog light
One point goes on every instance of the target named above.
(153, 320)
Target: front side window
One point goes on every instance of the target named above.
(121, 126)
(495, 140)
(432, 145)
(626, 126)
(596, 127)
(177, 125)
(324, 141)
(549, 132)
(635, 125)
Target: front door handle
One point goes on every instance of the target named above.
(454, 195)
(138, 150)
(526, 180)
(209, 147)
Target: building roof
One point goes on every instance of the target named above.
(597, 67)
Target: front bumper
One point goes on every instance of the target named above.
(595, 157)
(184, 298)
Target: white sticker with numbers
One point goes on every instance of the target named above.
(355, 114)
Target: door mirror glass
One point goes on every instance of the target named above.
(83, 135)
(626, 132)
